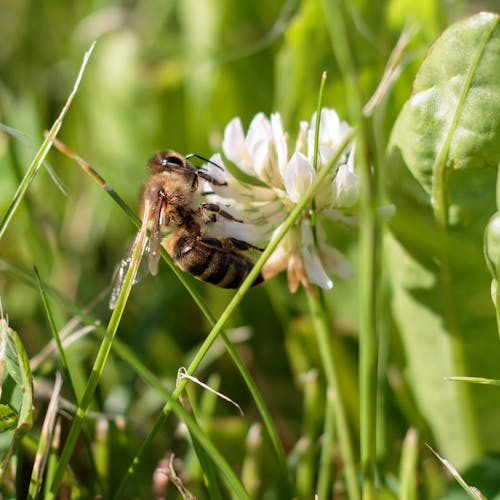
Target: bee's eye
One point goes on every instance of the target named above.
(172, 160)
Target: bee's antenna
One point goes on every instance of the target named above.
(194, 155)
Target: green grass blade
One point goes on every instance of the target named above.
(408, 467)
(476, 380)
(55, 334)
(370, 239)
(42, 152)
(63, 362)
(187, 282)
(100, 361)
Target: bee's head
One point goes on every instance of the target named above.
(168, 161)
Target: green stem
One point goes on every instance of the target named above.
(64, 365)
(99, 364)
(369, 306)
(322, 330)
(336, 17)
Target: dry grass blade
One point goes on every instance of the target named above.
(169, 471)
(183, 374)
(472, 491)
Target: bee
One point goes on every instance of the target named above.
(169, 205)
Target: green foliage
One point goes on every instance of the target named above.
(171, 75)
(447, 137)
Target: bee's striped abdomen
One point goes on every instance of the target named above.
(209, 261)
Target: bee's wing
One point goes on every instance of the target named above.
(155, 237)
(125, 263)
(121, 271)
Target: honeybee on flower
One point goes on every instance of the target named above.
(279, 175)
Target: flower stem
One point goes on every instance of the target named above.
(369, 305)
(322, 331)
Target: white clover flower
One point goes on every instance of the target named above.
(279, 180)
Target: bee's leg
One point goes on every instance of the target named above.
(210, 179)
(214, 242)
(213, 207)
(243, 245)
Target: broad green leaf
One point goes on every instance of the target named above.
(441, 174)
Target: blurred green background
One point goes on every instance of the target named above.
(171, 74)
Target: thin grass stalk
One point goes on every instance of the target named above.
(322, 331)
(42, 152)
(55, 334)
(316, 148)
(64, 363)
(101, 451)
(235, 301)
(252, 466)
(370, 256)
(370, 244)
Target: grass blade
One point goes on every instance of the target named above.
(470, 490)
(100, 360)
(408, 467)
(42, 152)
(44, 444)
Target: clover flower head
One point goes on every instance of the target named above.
(277, 176)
